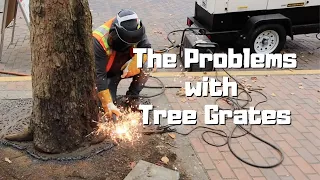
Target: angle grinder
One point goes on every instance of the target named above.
(114, 118)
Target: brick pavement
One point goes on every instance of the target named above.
(299, 141)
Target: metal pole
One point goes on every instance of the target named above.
(14, 23)
(24, 14)
(4, 18)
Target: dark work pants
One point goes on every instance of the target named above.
(112, 82)
(136, 86)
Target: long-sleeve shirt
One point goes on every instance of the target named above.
(101, 59)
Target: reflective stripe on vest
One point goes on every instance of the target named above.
(111, 60)
(101, 34)
(112, 57)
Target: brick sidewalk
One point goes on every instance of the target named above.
(300, 141)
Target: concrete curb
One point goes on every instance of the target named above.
(184, 149)
(15, 94)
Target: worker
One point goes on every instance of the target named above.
(113, 49)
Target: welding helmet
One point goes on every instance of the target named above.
(126, 31)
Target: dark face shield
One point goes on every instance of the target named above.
(130, 37)
(126, 32)
(121, 39)
(116, 43)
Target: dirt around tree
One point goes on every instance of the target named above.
(114, 164)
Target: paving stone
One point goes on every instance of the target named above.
(145, 170)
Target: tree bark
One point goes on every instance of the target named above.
(63, 74)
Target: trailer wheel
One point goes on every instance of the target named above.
(269, 38)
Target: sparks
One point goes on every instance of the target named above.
(125, 129)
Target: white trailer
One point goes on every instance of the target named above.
(262, 25)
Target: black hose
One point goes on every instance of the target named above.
(235, 105)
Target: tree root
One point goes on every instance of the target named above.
(26, 135)
(97, 138)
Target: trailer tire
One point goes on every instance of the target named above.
(268, 38)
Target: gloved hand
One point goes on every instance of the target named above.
(131, 67)
(107, 103)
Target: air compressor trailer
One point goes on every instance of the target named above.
(261, 25)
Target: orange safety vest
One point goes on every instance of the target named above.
(101, 34)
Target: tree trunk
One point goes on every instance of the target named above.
(63, 74)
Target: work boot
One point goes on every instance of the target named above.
(133, 104)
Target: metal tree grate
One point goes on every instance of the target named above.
(15, 115)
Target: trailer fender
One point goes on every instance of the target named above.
(255, 21)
